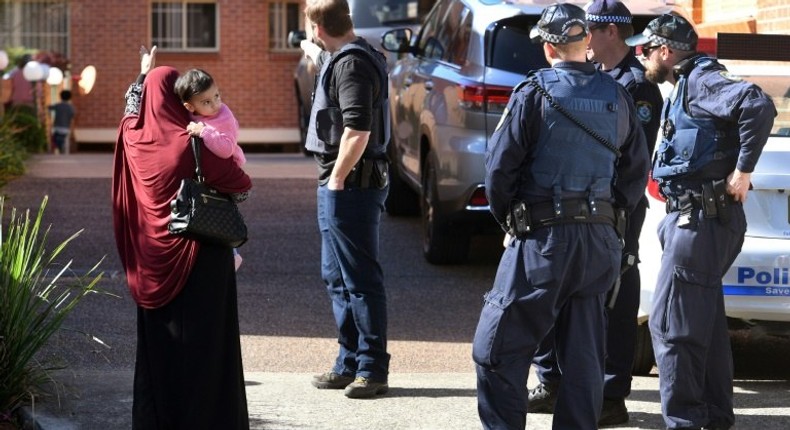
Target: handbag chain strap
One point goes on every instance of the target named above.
(195, 143)
(555, 105)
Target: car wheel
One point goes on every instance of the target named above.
(304, 121)
(401, 200)
(643, 355)
(443, 243)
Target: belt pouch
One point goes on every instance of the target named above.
(722, 200)
(709, 206)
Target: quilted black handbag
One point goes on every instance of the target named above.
(203, 213)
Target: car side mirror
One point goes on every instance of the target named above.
(296, 37)
(397, 40)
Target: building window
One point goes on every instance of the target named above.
(41, 25)
(284, 17)
(184, 26)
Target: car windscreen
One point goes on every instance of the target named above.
(509, 47)
(384, 13)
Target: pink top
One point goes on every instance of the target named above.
(221, 133)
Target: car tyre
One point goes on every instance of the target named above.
(401, 200)
(643, 354)
(443, 243)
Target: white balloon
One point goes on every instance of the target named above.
(55, 76)
(34, 71)
(3, 60)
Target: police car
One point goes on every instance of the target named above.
(757, 286)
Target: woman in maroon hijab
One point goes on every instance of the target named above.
(188, 371)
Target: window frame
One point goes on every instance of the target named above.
(18, 34)
(280, 44)
(185, 27)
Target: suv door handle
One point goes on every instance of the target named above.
(428, 85)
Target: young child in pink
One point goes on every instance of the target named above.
(212, 120)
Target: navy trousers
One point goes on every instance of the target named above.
(621, 325)
(557, 277)
(688, 323)
(349, 223)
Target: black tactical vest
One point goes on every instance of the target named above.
(692, 150)
(326, 122)
(569, 162)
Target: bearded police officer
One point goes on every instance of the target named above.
(610, 24)
(348, 132)
(567, 133)
(714, 127)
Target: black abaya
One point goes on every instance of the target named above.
(188, 373)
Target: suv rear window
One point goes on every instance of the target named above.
(384, 13)
(511, 48)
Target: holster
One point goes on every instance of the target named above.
(369, 173)
(518, 219)
(626, 262)
(722, 200)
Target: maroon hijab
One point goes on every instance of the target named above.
(152, 156)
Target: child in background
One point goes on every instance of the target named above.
(212, 120)
(61, 124)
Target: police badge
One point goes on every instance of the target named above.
(644, 111)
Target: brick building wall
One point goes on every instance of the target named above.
(755, 16)
(256, 82)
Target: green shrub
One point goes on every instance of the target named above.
(26, 129)
(12, 155)
(35, 298)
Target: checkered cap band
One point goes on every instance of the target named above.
(560, 39)
(609, 18)
(658, 40)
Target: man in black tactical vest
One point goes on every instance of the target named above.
(348, 133)
(566, 134)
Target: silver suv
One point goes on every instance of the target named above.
(446, 96)
(371, 19)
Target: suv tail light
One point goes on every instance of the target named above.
(476, 96)
(478, 200)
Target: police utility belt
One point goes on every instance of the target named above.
(713, 201)
(524, 219)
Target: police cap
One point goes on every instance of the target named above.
(557, 21)
(668, 29)
(607, 12)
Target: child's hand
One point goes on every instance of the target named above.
(194, 128)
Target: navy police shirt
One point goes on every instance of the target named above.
(630, 73)
(715, 93)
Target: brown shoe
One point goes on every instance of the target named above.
(364, 388)
(331, 381)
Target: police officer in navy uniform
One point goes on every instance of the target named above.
(610, 24)
(348, 133)
(555, 185)
(714, 126)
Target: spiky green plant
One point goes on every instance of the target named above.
(35, 298)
